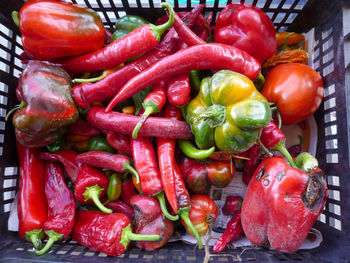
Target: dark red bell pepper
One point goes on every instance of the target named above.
(107, 233)
(232, 205)
(282, 203)
(149, 219)
(54, 29)
(132, 45)
(217, 56)
(247, 28)
(32, 204)
(61, 206)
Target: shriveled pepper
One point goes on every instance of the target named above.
(61, 206)
(47, 105)
(290, 56)
(109, 234)
(228, 112)
(54, 29)
(232, 205)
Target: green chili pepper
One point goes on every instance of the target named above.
(127, 24)
(100, 143)
(114, 187)
(191, 151)
(56, 146)
(195, 80)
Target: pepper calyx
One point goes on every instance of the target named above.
(306, 162)
(35, 237)
(53, 237)
(93, 193)
(215, 115)
(159, 30)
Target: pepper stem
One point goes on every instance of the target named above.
(93, 193)
(128, 235)
(53, 237)
(159, 30)
(35, 237)
(306, 162)
(148, 111)
(20, 106)
(15, 17)
(185, 216)
(280, 147)
(128, 167)
(102, 76)
(161, 199)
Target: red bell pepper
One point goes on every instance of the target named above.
(107, 233)
(32, 204)
(232, 205)
(54, 29)
(247, 28)
(282, 203)
(61, 206)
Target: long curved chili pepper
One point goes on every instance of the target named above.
(217, 56)
(147, 167)
(132, 45)
(119, 142)
(61, 206)
(174, 185)
(87, 93)
(191, 151)
(251, 164)
(153, 103)
(116, 162)
(125, 123)
(32, 205)
(179, 89)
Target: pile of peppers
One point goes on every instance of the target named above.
(122, 134)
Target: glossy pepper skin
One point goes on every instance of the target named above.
(282, 203)
(32, 204)
(149, 219)
(45, 90)
(54, 29)
(109, 234)
(61, 206)
(247, 28)
(127, 24)
(228, 112)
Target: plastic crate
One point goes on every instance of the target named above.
(331, 58)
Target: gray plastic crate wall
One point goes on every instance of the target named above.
(331, 57)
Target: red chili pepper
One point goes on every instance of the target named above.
(153, 103)
(232, 205)
(179, 89)
(116, 162)
(233, 232)
(147, 167)
(134, 44)
(32, 204)
(82, 128)
(68, 158)
(251, 164)
(174, 185)
(119, 206)
(119, 142)
(217, 56)
(106, 233)
(87, 93)
(61, 206)
(125, 123)
(128, 190)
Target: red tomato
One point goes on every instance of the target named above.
(203, 213)
(297, 90)
(220, 173)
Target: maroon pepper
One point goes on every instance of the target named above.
(61, 206)
(233, 232)
(119, 206)
(251, 164)
(132, 45)
(119, 142)
(87, 93)
(232, 205)
(217, 56)
(110, 234)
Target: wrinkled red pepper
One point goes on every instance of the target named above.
(282, 203)
(247, 28)
(54, 29)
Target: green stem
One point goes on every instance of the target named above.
(93, 193)
(185, 216)
(15, 17)
(306, 162)
(128, 167)
(159, 30)
(280, 147)
(53, 237)
(128, 235)
(148, 111)
(285, 40)
(102, 76)
(191, 151)
(20, 106)
(161, 199)
(35, 237)
(262, 145)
